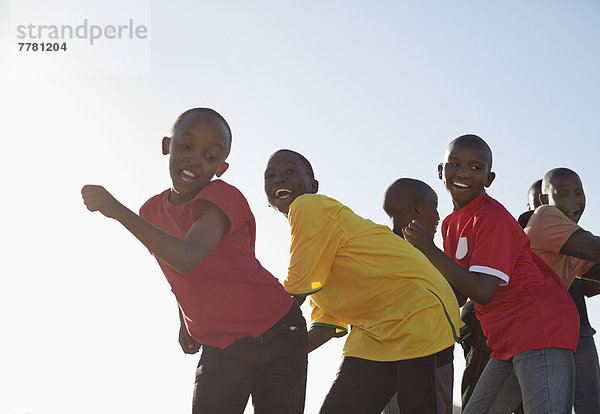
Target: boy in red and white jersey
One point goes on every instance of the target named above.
(525, 310)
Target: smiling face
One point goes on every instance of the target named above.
(565, 191)
(466, 172)
(197, 149)
(287, 177)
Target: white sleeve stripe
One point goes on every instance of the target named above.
(493, 272)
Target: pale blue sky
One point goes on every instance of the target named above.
(368, 91)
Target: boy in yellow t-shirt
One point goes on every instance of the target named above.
(401, 309)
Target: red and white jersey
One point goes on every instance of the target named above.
(532, 308)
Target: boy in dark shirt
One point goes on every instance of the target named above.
(405, 200)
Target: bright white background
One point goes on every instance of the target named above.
(368, 91)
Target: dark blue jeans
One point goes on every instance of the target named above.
(271, 368)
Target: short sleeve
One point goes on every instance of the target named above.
(316, 239)
(549, 229)
(320, 318)
(144, 209)
(499, 240)
(230, 200)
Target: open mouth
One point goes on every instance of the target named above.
(283, 193)
(187, 175)
(459, 185)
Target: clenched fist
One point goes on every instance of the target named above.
(96, 198)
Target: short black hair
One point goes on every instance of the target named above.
(535, 185)
(475, 141)
(562, 171)
(207, 112)
(404, 191)
(302, 159)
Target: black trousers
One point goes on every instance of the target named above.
(365, 387)
(271, 368)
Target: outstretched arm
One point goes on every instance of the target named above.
(182, 255)
(318, 335)
(583, 245)
(480, 287)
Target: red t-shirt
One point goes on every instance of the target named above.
(532, 308)
(229, 295)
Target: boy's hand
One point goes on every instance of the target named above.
(188, 344)
(418, 236)
(96, 198)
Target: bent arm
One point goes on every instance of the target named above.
(182, 255)
(460, 297)
(318, 335)
(592, 274)
(480, 287)
(591, 281)
(583, 245)
(188, 344)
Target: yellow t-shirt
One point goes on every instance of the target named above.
(549, 229)
(362, 274)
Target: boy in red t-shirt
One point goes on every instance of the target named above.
(202, 233)
(524, 308)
